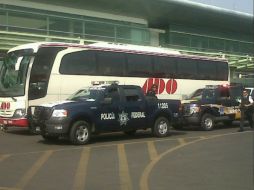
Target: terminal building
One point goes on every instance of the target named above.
(191, 28)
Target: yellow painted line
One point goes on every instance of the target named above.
(8, 188)
(80, 177)
(126, 143)
(181, 141)
(203, 137)
(33, 170)
(125, 179)
(143, 184)
(152, 150)
(3, 157)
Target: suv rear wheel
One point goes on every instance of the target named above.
(207, 122)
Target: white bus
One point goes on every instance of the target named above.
(38, 73)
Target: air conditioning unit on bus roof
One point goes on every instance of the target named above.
(129, 47)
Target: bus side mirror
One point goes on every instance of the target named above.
(106, 101)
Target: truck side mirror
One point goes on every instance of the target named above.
(106, 101)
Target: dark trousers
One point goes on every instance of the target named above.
(246, 114)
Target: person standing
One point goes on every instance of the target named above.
(152, 91)
(246, 108)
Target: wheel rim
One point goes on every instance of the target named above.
(162, 127)
(82, 133)
(208, 123)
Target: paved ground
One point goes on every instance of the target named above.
(186, 160)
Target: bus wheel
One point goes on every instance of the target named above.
(80, 133)
(207, 122)
(161, 127)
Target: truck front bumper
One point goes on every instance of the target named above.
(53, 127)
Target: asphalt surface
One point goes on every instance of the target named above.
(185, 160)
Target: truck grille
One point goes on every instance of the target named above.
(41, 113)
(186, 109)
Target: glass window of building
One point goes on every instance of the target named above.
(231, 46)
(98, 30)
(2, 20)
(179, 39)
(199, 42)
(123, 34)
(216, 44)
(27, 22)
(59, 26)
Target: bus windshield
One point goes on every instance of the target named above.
(13, 73)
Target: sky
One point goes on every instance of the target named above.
(245, 6)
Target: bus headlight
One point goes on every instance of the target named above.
(194, 109)
(59, 113)
(19, 113)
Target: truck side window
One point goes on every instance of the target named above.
(113, 93)
(131, 95)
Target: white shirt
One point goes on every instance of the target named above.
(251, 99)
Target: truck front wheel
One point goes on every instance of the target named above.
(161, 127)
(80, 133)
(207, 122)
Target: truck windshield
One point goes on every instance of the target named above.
(87, 94)
(13, 73)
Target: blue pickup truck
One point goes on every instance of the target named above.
(105, 109)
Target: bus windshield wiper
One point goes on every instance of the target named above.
(14, 99)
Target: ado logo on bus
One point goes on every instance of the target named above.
(170, 86)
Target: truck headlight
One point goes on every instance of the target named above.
(59, 113)
(19, 113)
(194, 109)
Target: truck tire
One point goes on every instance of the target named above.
(161, 127)
(80, 133)
(207, 122)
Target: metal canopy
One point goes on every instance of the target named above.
(160, 13)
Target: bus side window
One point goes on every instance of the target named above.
(139, 65)
(187, 68)
(165, 67)
(78, 63)
(110, 63)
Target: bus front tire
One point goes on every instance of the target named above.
(80, 133)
